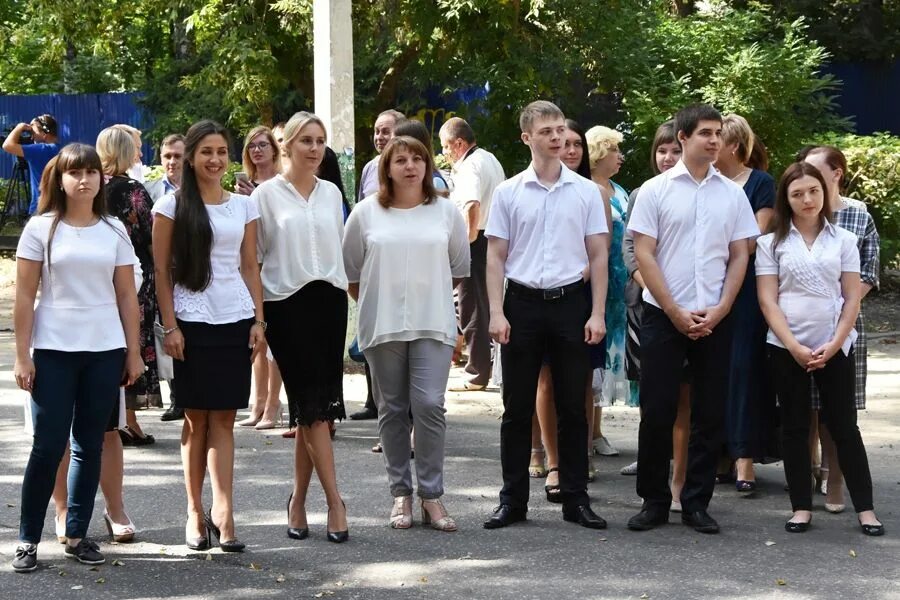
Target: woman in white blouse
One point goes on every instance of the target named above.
(305, 292)
(210, 306)
(808, 286)
(75, 348)
(405, 249)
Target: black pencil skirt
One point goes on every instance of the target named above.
(215, 372)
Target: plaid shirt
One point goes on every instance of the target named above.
(856, 219)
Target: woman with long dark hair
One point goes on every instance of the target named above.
(210, 305)
(809, 290)
(84, 336)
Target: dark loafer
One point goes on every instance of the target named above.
(700, 521)
(584, 516)
(796, 527)
(505, 515)
(173, 413)
(364, 415)
(873, 530)
(648, 519)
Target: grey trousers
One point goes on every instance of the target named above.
(411, 375)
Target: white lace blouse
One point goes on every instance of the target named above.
(226, 299)
(809, 282)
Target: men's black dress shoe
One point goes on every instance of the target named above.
(505, 515)
(173, 413)
(584, 516)
(648, 519)
(700, 521)
(364, 415)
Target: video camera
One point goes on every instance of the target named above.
(25, 138)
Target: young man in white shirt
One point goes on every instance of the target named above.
(476, 174)
(691, 230)
(546, 233)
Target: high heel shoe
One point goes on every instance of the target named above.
(226, 545)
(202, 542)
(120, 533)
(554, 492)
(338, 537)
(60, 529)
(536, 469)
(295, 533)
(250, 421)
(270, 423)
(445, 523)
(401, 513)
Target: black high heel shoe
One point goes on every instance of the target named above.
(295, 533)
(554, 492)
(200, 543)
(226, 545)
(338, 537)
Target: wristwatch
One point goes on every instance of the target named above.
(262, 324)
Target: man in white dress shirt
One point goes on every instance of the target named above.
(476, 174)
(546, 233)
(383, 132)
(691, 229)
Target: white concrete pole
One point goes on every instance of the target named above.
(333, 74)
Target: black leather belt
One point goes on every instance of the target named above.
(548, 294)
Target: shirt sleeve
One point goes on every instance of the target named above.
(498, 219)
(256, 197)
(353, 245)
(165, 206)
(32, 240)
(460, 258)
(39, 153)
(596, 217)
(745, 224)
(764, 194)
(870, 254)
(252, 210)
(644, 217)
(849, 254)
(124, 250)
(765, 257)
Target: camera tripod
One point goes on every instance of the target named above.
(17, 198)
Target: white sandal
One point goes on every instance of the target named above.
(120, 533)
(401, 513)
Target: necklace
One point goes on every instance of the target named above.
(740, 174)
(79, 228)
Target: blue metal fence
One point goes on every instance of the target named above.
(80, 116)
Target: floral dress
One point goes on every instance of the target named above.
(128, 201)
(616, 385)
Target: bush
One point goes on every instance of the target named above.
(874, 177)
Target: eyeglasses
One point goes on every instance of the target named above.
(259, 146)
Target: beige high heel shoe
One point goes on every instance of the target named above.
(270, 423)
(401, 513)
(445, 523)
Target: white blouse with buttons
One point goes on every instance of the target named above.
(809, 282)
(299, 239)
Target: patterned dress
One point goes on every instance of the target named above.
(128, 200)
(616, 385)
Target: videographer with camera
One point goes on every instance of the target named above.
(37, 143)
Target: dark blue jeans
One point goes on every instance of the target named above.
(73, 392)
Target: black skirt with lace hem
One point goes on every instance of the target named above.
(307, 332)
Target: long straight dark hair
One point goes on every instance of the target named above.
(584, 167)
(781, 221)
(192, 234)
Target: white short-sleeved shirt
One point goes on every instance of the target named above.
(546, 227)
(809, 282)
(226, 299)
(693, 225)
(77, 310)
(405, 261)
(298, 239)
(368, 179)
(475, 178)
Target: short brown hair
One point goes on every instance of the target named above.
(665, 134)
(386, 184)
(542, 109)
(172, 138)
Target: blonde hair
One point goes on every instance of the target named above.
(599, 140)
(249, 167)
(116, 149)
(736, 130)
(295, 124)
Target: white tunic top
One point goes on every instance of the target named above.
(405, 261)
(226, 299)
(546, 227)
(693, 224)
(475, 178)
(809, 282)
(299, 240)
(77, 310)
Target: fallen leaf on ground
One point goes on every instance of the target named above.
(208, 556)
(279, 579)
(10, 505)
(254, 567)
(423, 579)
(853, 553)
(644, 596)
(77, 587)
(780, 582)
(770, 543)
(117, 563)
(100, 580)
(94, 569)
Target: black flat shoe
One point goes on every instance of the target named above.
(173, 413)
(872, 530)
(295, 533)
(700, 521)
(648, 519)
(797, 527)
(364, 415)
(554, 492)
(505, 515)
(226, 545)
(338, 537)
(584, 516)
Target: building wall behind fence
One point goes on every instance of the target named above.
(80, 116)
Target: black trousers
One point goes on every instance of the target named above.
(663, 353)
(836, 383)
(554, 328)
(474, 313)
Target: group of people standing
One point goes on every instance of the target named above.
(558, 265)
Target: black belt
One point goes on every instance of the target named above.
(549, 294)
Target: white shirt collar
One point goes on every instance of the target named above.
(829, 228)
(565, 176)
(680, 169)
